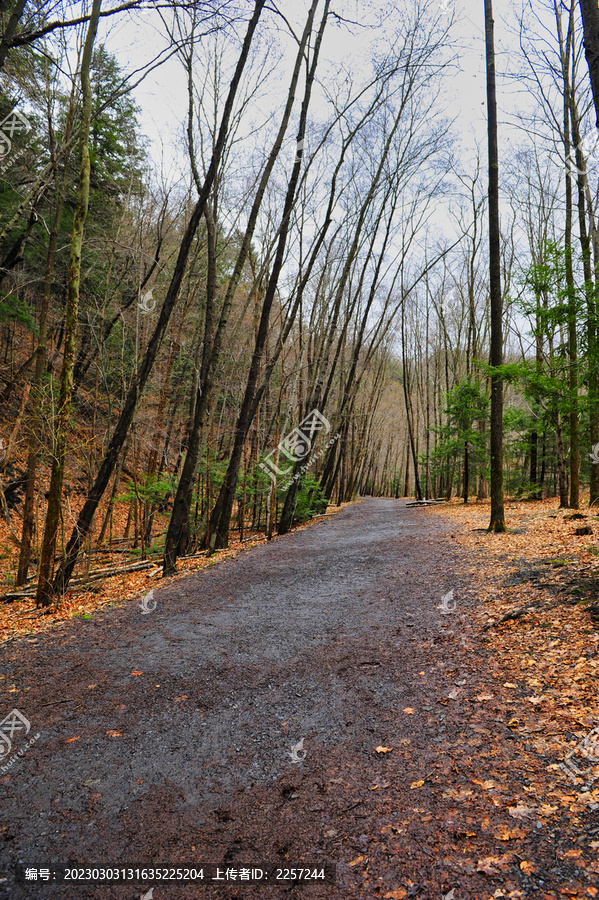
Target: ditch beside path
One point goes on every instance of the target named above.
(167, 738)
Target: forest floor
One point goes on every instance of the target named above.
(343, 696)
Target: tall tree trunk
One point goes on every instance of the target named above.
(497, 522)
(590, 24)
(44, 587)
(562, 471)
(585, 205)
(570, 285)
(178, 532)
(10, 30)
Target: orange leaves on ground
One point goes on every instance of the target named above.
(136, 672)
(521, 811)
(505, 833)
(70, 740)
(113, 733)
(381, 749)
(493, 865)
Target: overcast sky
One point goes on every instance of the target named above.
(162, 95)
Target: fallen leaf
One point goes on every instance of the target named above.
(135, 672)
(114, 733)
(527, 867)
(453, 695)
(535, 700)
(573, 853)
(416, 784)
(396, 895)
(182, 697)
(546, 810)
(380, 749)
(68, 740)
(487, 866)
(409, 710)
(521, 811)
(491, 865)
(505, 833)
(380, 784)
(482, 697)
(357, 860)
(509, 684)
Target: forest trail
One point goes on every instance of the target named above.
(168, 737)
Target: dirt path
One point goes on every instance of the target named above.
(166, 738)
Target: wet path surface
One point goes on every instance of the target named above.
(167, 738)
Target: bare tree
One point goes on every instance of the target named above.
(497, 522)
